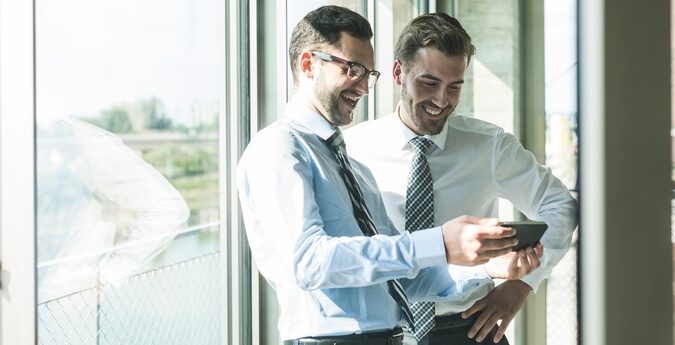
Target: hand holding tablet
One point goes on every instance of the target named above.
(528, 232)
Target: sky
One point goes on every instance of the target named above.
(561, 56)
(94, 54)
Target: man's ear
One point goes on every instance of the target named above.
(306, 64)
(398, 72)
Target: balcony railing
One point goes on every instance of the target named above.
(176, 304)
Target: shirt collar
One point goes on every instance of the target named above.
(408, 134)
(298, 111)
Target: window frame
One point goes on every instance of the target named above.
(238, 293)
(18, 309)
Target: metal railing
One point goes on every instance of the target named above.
(176, 304)
(561, 300)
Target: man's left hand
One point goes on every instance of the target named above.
(515, 265)
(503, 303)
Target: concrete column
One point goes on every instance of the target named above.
(625, 232)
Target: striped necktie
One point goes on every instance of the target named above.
(419, 214)
(362, 215)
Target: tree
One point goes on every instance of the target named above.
(154, 116)
(115, 119)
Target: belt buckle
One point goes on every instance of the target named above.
(396, 338)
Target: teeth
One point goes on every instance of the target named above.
(351, 98)
(432, 112)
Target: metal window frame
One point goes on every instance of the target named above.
(237, 271)
(530, 121)
(18, 323)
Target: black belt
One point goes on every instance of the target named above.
(392, 337)
(454, 321)
(452, 329)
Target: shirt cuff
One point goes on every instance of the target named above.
(533, 280)
(469, 272)
(428, 247)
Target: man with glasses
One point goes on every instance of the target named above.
(471, 163)
(316, 223)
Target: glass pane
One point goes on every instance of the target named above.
(390, 18)
(490, 79)
(127, 160)
(561, 155)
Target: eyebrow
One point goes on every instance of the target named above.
(429, 76)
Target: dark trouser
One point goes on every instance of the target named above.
(393, 337)
(453, 330)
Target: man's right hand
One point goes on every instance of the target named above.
(471, 241)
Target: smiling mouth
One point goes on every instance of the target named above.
(432, 111)
(352, 100)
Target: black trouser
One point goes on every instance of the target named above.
(393, 337)
(453, 330)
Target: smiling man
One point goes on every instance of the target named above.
(467, 165)
(316, 223)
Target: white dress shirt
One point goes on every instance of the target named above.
(329, 278)
(473, 163)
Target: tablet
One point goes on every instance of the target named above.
(528, 232)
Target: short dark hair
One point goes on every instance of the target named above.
(436, 30)
(323, 27)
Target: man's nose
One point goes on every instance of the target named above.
(440, 98)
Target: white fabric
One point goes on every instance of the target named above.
(473, 164)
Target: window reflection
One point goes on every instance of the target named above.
(127, 101)
(96, 194)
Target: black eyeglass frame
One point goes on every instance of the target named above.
(350, 64)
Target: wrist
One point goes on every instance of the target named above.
(525, 287)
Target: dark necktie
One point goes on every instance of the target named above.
(419, 214)
(362, 215)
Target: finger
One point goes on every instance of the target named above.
(480, 321)
(502, 329)
(539, 249)
(488, 221)
(501, 243)
(526, 260)
(533, 259)
(473, 309)
(489, 254)
(489, 325)
(497, 232)
(513, 266)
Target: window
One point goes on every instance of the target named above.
(128, 105)
(560, 17)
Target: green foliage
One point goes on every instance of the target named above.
(183, 160)
(115, 119)
(154, 116)
(193, 171)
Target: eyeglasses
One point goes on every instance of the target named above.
(356, 71)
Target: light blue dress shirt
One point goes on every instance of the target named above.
(329, 278)
(473, 163)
